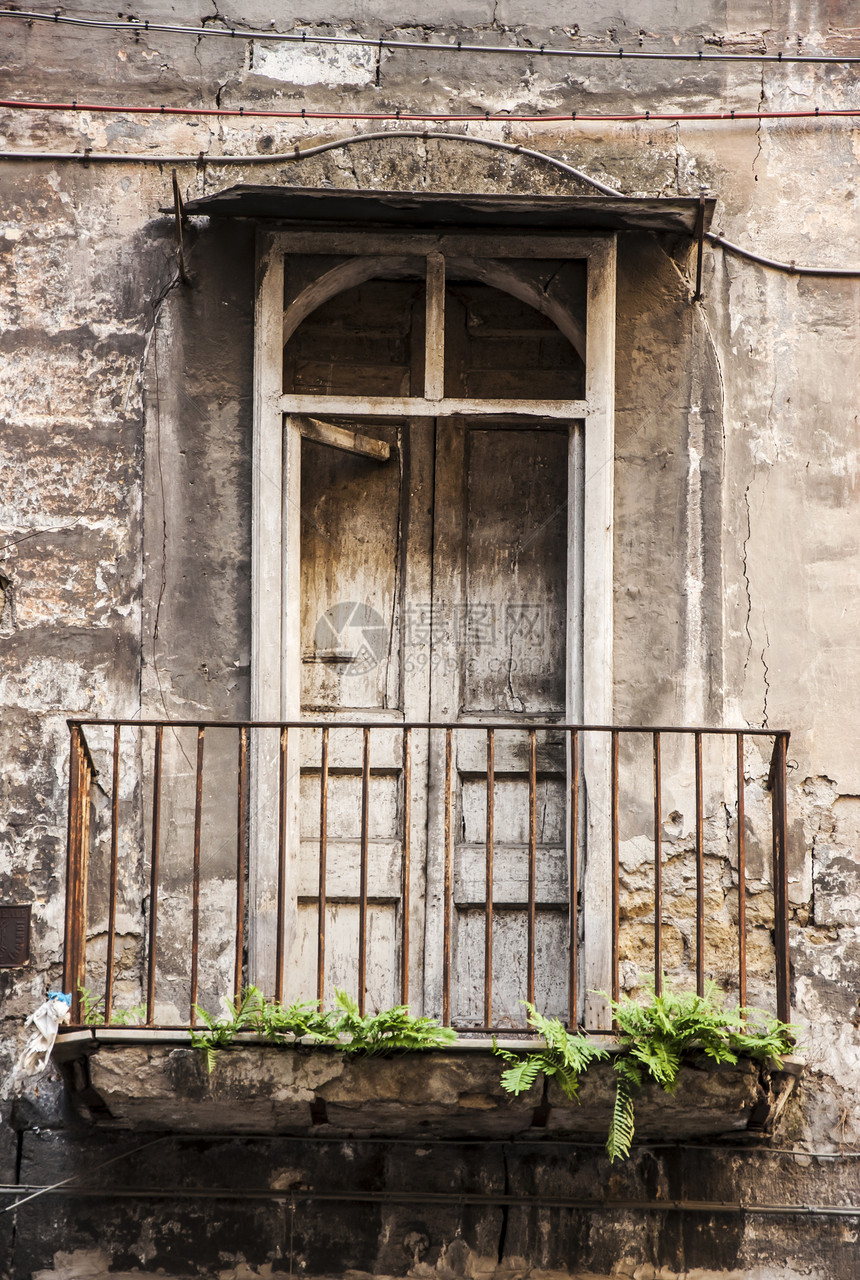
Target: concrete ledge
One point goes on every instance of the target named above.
(156, 1082)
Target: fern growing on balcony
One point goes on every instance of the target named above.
(565, 1057)
(655, 1038)
(388, 1031)
(345, 1027)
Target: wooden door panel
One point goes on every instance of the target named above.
(342, 932)
(344, 804)
(510, 876)
(346, 745)
(384, 862)
(501, 566)
(350, 625)
(514, 600)
(367, 529)
(510, 966)
(511, 809)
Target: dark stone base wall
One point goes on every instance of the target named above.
(241, 1207)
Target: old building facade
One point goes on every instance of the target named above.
(438, 381)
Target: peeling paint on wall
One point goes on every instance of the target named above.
(126, 414)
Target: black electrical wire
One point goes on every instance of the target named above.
(464, 1198)
(548, 1139)
(140, 27)
(300, 153)
(729, 116)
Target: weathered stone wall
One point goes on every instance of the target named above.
(125, 543)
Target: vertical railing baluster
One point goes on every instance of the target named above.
(700, 873)
(742, 877)
(195, 875)
(780, 877)
(530, 967)
(406, 868)
(447, 882)
(87, 773)
(282, 864)
(614, 838)
(241, 818)
(573, 886)
(321, 905)
(153, 876)
(73, 861)
(488, 877)
(362, 917)
(112, 889)
(658, 868)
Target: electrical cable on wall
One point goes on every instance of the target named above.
(423, 1198)
(138, 27)
(729, 116)
(301, 153)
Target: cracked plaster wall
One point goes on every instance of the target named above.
(125, 527)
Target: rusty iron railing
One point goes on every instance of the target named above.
(134, 854)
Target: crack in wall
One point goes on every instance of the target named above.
(766, 676)
(761, 101)
(748, 621)
(152, 339)
(769, 418)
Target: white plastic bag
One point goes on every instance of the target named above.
(49, 1016)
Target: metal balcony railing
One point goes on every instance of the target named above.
(461, 868)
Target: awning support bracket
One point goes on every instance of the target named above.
(179, 219)
(699, 236)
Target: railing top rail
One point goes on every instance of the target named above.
(502, 725)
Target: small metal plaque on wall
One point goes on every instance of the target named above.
(14, 937)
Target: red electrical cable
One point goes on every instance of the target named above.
(304, 114)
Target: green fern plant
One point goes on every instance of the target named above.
(628, 1079)
(345, 1027)
(565, 1056)
(245, 1013)
(93, 1011)
(298, 1021)
(388, 1031)
(655, 1039)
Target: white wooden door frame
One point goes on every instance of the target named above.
(276, 537)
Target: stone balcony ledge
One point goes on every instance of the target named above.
(140, 1079)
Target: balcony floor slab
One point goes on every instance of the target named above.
(148, 1081)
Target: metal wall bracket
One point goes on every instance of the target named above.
(179, 218)
(699, 236)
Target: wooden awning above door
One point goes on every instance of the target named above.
(424, 210)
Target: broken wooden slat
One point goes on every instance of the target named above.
(350, 442)
(347, 441)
